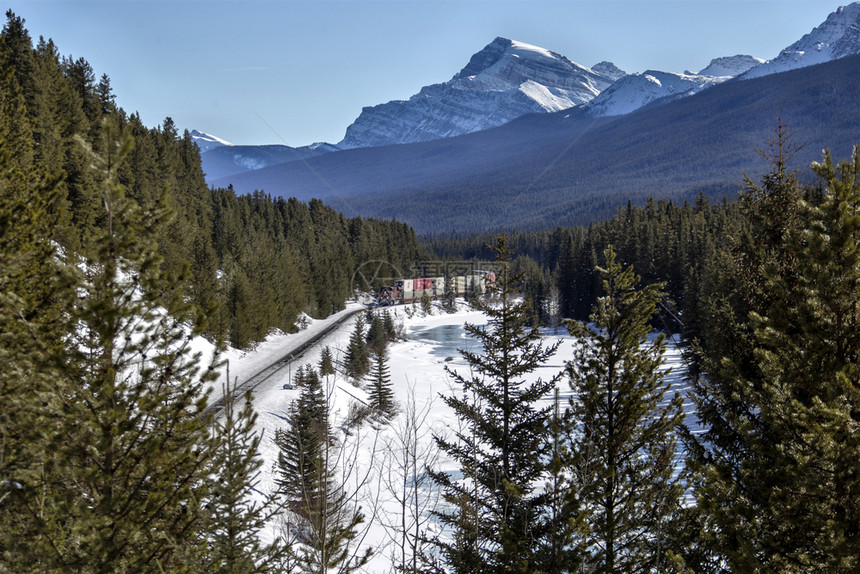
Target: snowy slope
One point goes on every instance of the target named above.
(207, 141)
(837, 37)
(633, 91)
(417, 367)
(637, 90)
(731, 65)
(504, 81)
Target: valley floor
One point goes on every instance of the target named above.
(370, 454)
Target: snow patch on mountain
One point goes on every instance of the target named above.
(505, 80)
(637, 90)
(731, 65)
(321, 147)
(548, 99)
(207, 141)
(248, 162)
(837, 37)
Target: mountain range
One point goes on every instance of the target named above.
(581, 140)
(505, 80)
(223, 159)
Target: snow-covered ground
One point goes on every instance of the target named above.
(373, 455)
(242, 365)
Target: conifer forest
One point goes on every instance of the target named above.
(115, 255)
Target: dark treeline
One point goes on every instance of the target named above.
(260, 260)
(665, 242)
(281, 257)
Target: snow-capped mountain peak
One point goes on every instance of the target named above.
(501, 53)
(609, 70)
(634, 91)
(731, 66)
(501, 82)
(837, 37)
(207, 141)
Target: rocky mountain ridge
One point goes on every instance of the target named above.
(635, 91)
(503, 81)
(837, 37)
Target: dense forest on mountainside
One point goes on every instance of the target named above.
(115, 256)
(677, 244)
(260, 260)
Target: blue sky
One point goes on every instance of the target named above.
(296, 72)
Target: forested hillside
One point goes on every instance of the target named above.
(676, 244)
(116, 261)
(260, 261)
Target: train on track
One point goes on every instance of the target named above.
(410, 290)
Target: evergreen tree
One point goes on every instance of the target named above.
(623, 447)
(377, 339)
(803, 460)
(323, 519)
(562, 547)
(19, 61)
(36, 289)
(300, 377)
(310, 378)
(130, 445)
(234, 519)
(389, 326)
(301, 446)
(357, 360)
(242, 316)
(426, 303)
(501, 442)
(106, 97)
(732, 460)
(449, 298)
(326, 362)
(380, 393)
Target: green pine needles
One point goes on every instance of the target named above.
(546, 490)
(323, 520)
(500, 444)
(623, 447)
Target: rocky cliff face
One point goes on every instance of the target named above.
(504, 81)
(609, 70)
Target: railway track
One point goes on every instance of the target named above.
(274, 368)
